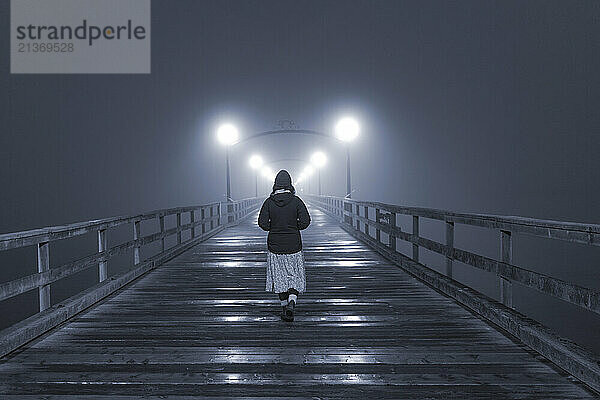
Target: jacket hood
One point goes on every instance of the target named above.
(282, 199)
(283, 180)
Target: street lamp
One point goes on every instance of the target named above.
(308, 171)
(256, 162)
(319, 159)
(347, 130)
(267, 172)
(300, 180)
(228, 135)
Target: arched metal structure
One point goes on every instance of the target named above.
(284, 132)
(294, 160)
(297, 131)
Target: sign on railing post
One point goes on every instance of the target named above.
(506, 257)
(415, 231)
(43, 261)
(450, 247)
(136, 248)
(102, 270)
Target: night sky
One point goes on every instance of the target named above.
(480, 106)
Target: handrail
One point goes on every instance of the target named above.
(506, 271)
(204, 221)
(34, 236)
(576, 360)
(561, 230)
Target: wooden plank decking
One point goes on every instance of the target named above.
(202, 326)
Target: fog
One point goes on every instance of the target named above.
(466, 106)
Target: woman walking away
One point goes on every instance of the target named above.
(284, 215)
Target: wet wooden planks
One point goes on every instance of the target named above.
(203, 326)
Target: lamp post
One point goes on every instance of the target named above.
(268, 174)
(308, 171)
(347, 130)
(300, 181)
(256, 162)
(228, 135)
(319, 159)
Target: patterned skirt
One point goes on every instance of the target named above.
(285, 271)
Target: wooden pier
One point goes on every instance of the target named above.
(202, 326)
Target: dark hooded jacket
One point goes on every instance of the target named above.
(284, 215)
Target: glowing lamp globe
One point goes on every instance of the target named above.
(256, 161)
(347, 129)
(227, 134)
(266, 172)
(318, 159)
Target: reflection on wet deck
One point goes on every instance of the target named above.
(202, 325)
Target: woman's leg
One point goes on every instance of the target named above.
(289, 309)
(293, 296)
(283, 297)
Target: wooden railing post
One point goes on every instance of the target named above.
(136, 248)
(415, 231)
(347, 207)
(377, 230)
(392, 238)
(357, 209)
(178, 226)
(367, 217)
(506, 256)
(202, 216)
(102, 268)
(43, 261)
(450, 246)
(192, 220)
(229, 211)
(161, 222)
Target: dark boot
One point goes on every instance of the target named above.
(289, 311)
(283, 296)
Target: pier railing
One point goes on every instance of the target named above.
(366, 220)
(204, 221)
